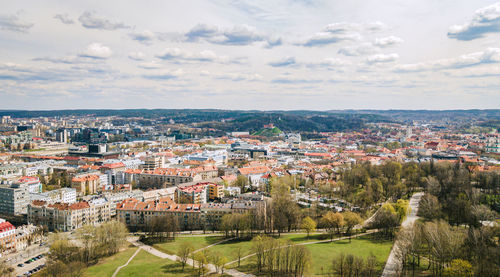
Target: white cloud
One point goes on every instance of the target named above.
(150, 65)
(490, 55)
(387, 41)
(382, 58)
(137, 56)
(485, 20)
(97, 51)
(14, 23)
(145, 37)
(237, 35)
(358, 50)
(177, 54)
(90, 20)
(286, 61)
(341, 31)
(64, 18)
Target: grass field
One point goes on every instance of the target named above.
(198, 242)
(145, 264)
(322, 254)
(107, 266)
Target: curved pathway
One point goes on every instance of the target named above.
(156, 252)
(393, 265)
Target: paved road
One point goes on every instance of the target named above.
(393, 265)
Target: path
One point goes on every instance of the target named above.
(214, 244)
(393, 265)
(210, 267)
(129, 260)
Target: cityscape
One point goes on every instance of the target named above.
(250, 138)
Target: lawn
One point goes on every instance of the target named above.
(324, 253)
(145, 264)
(198, 242)
(107, 266)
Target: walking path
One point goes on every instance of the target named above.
(393, 265)
(210, 267)
(214, 244)
(129, 260)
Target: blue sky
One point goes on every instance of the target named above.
(258, 54)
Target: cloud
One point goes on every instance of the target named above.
(488, 56)
(287, 80)
(485, 20)
(136, 56)
(164, 75)
(89, 20)
(238, 35)
(341, 31)
(14, 23)
(329, 63)
(286, 61)
(382, 58)
(150, 65)
(177, 54)
(145, 37)
(387, 41)
(97, 51)
(358, 50)
(64, 18)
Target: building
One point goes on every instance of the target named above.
(14, 198)
(215, 191)
(87, 184)
(62, 195)
(153, 162)
(137, 214)
(27, 235)
(33, 183)
(192, 194)
(66, 217)
(7, 237)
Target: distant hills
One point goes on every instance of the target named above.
(286, 121)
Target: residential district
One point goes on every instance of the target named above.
(60, 174)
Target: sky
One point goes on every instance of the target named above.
(255, 54)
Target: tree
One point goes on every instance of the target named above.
(429, 207)
(185, 249)
(386, 219)
(241, 182)
(333, 222)
(459, 268)
(351, 219)
(309, 225)
(239, 253)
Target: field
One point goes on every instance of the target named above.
(198, 242)
(107, 266)
(145, 264)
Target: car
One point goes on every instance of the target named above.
(35, 258)
(27, 262)
(20, 265)
(40, 256)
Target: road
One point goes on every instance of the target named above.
(393, 265)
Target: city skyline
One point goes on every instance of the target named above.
(284, 55)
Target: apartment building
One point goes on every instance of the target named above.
(14, 198)
(66, 217)
(7, 237)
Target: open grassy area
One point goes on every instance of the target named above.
(324, 253)
(145, 264)
(107, 266)
(198, 242)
